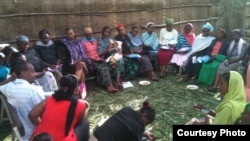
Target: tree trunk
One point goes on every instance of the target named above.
(231, 15)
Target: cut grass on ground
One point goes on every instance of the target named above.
(174, 104)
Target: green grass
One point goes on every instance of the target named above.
(174, 104)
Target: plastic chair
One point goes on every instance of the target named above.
(17, 126)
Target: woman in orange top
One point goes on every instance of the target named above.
(62, 114)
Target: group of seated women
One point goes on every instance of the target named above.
(211, 59)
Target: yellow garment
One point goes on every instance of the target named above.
(233, 103)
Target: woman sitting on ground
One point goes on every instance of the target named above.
(126, 125)
(102, 70)
(52, 117)
(233, 103)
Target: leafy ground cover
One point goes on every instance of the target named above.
(173, 102)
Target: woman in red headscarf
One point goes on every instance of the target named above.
(131, 64)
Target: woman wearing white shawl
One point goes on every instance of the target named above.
(201, 42)
(236, 52)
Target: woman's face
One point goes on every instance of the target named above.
(169, 27)
(70, 34)
(122, 31)
(236, 37)
(45, 38)
(205, 32)
(223, 86)
(219, 34)
(23, 46)
(151, 28)
(145, 120)
(135, 31)
(187, 29)
(107, 32)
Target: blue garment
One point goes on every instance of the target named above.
(150, 40)
(4, 71)
(182, 42)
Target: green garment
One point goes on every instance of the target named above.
(233, 102)
(208, 70)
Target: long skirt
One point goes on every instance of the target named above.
(226, 68)
(102, 71)
(119, 69)
(131, 66)
(208, 70)
(179, 59)
(164, 56)
(192, 69)
(145, 64)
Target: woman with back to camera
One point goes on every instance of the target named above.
(126, 125)
(63, 112)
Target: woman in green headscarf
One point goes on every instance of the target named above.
(233, 103)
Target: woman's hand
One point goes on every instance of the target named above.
(150, 136)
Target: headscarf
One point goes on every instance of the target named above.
(169, 21)
(234, 99)
(238, 32)
(119, 26)
(148, 24)
(208, 26)
(22, 38)
(190, 37)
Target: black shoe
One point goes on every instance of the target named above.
(213, 90)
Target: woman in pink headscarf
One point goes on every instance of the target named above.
(184, 44)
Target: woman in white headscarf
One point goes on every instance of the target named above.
(199, 49)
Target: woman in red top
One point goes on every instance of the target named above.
(62, 114)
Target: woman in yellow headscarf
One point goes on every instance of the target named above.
(231, 86)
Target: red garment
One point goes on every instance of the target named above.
(91, 49)
(216, 48)
(190, 37)
(164, 56)
(53, 120)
